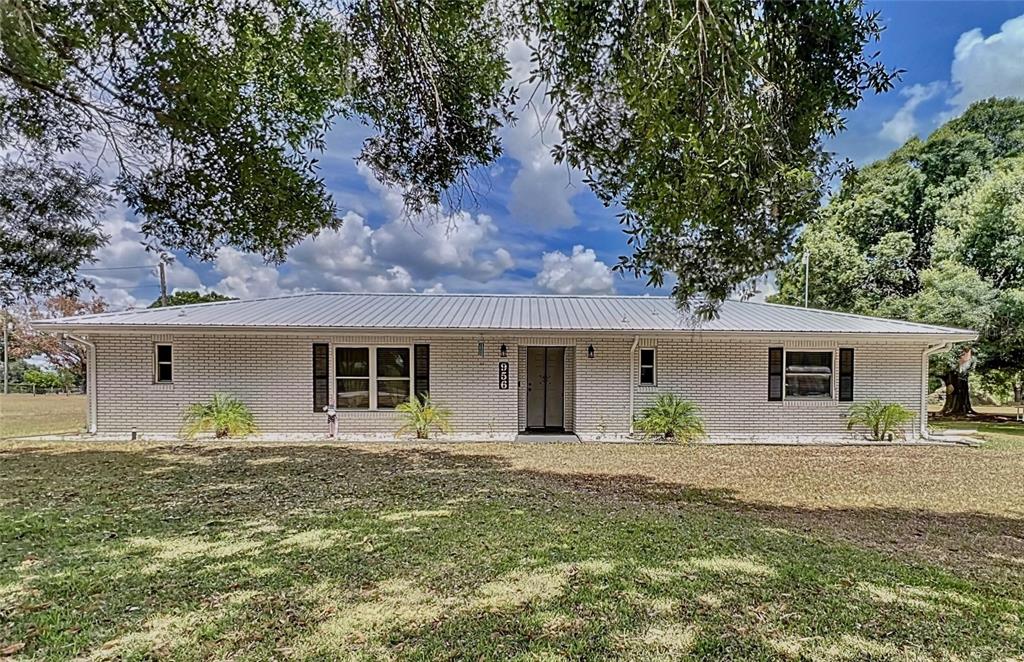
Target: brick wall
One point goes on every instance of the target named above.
(272, 374)
(729, 382)
(602, 388)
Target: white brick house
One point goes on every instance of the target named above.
(503, 364)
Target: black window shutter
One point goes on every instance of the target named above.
(846, 374)
(422, 367)
(321, 376)
(774, 373)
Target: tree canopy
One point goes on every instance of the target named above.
(66, 357)
(48, 227)
(934, 233)
(702, 122)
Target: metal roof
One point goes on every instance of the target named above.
(491, 312)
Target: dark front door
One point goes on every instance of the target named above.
(545, 387)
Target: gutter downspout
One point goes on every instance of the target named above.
(632, 390)
(90, 376)
(928, 351)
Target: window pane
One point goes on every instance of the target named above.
(808, 386)
(163, 353)
(647, 357)
(817, 362)
(392, 362)
(163, 372)
(352, 362)
(646, 375)
(391, 393)
(353, 394)
(809, 375)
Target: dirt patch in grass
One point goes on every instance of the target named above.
(505, 551)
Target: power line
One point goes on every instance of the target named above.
(117, 269)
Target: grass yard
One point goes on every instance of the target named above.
(23, 415)
(510, 552)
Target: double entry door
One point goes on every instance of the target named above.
(545, 388)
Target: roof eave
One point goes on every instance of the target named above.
(166, 329)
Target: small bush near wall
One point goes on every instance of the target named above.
(422, 416)
(671, 417)
(882, 420)
(224, 416)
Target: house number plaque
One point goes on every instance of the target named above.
(503, 375)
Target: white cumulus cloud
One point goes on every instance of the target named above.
(903, 124)
(457, 245)
(245, 276)
(990, 66)
(117, 275)
(579, 273)
(542, 189)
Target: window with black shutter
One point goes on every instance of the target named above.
(321, 376)
(422, 366)
(775, 373)
(846, 374)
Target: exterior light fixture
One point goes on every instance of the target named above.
(504, 350)
(590, 352)
(480, 348)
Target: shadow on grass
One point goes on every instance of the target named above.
(306, 551)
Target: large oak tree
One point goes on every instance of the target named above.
(935, 233)
(701, 121)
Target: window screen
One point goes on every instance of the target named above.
(809, 375)
(373, 377)
(352, 374)
(393, 376)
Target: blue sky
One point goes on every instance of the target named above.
(537, 228)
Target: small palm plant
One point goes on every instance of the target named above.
(671, 417)
(422, 416)
(224, 415)
(882, 420)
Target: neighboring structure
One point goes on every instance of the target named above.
(503, 364)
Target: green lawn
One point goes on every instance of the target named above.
(1000, 434)
(510, 552)
(23, 415)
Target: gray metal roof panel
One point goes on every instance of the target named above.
(523, 312)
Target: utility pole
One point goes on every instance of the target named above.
(807, 275)
(163, 280)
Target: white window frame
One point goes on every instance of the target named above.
(641, 365)
(372, 377)
(157, 363)
(833, 392)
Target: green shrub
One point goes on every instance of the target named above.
(422, 416)
(47, 378)
(883, 421)
(224, 415)
(671, 417)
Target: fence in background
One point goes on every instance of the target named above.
(40, 390)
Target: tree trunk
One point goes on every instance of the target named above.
(958, 394)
